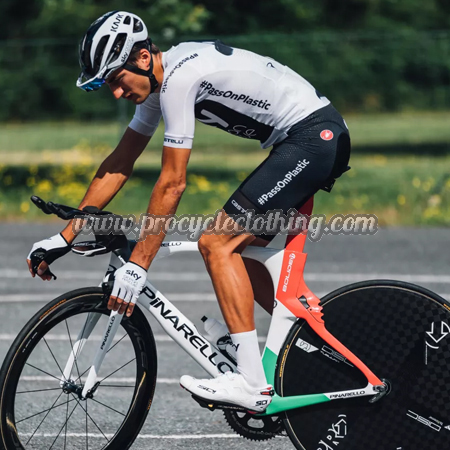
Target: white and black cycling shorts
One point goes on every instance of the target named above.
(315, 153)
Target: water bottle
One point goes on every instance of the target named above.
(218, 335)
(214, 330)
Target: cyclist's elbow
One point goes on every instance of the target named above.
(172, 185)
(112, 165)
(175, 190)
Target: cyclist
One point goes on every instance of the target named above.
(242, 93)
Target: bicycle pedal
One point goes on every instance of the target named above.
(212, 406)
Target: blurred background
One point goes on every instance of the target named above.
(385, 64)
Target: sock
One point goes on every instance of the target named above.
(248, 358)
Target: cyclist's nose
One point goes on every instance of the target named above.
(117, 92)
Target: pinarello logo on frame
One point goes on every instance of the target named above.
(327, 135)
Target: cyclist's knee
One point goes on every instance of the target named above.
(210, 245)
(220, 246)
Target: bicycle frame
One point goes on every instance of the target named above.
(293, 300)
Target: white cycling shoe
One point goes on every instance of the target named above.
(229, 389)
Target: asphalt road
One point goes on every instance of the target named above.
(419, 256)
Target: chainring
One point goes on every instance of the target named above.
(253, 427)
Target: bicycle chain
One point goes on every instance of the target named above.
(241, 423)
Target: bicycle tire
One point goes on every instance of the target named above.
(67, 310)
(390, 326)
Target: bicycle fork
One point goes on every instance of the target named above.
(105, 343)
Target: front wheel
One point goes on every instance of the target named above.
(402, 333)
(39, 409)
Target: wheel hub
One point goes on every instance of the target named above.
(70, 387)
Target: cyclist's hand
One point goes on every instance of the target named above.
(43, 253)
(129, 282)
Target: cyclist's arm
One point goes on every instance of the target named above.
(112, 174)
(177, 105)
(164, 201)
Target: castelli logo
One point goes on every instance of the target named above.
(327, 135)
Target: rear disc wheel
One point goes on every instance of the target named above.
(402, 333)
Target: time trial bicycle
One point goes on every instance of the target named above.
(59, 383)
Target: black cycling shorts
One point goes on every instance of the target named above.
(315, 153)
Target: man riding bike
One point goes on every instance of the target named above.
(240, 92)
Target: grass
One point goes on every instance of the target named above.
(68, 142)
(407, 190)
(57, 161)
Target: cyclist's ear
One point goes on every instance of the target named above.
(144, 59)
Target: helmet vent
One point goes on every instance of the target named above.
(127, 20)
(138, 26)
(118, 45)
(99, 53)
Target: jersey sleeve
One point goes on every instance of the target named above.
(147, 116)
(178, 94)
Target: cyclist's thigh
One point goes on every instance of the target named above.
(316, 149)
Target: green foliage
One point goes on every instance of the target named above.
(389, 71)
(365, 55)
(398, 190)
(77, 142)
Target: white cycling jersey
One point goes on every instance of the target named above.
(243, 93)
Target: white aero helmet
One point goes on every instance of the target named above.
(106, 47)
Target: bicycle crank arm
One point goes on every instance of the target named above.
(212, 406)
(110, 331)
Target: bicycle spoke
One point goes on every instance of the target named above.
(39, 390)
(117, 386)
(110, 373)
(79, 378)
(42, 412)
(71, 346)
(118, 342)
(79, 348)
(43, 371)
(65, 434)
(92, 420)
(109, 407)
(120, 368)
(63, 427)
(87, 434)
(42, 421)
(38, 426)
(84, 373)
(46, 343)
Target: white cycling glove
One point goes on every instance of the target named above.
(48, 250)
(129, 282)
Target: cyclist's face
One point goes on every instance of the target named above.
(129, 85)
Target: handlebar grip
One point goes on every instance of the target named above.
(62, 211)
(41, 204)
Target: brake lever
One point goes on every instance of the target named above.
(107, 287)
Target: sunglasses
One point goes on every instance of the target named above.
(96, 82)
(90, 85)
